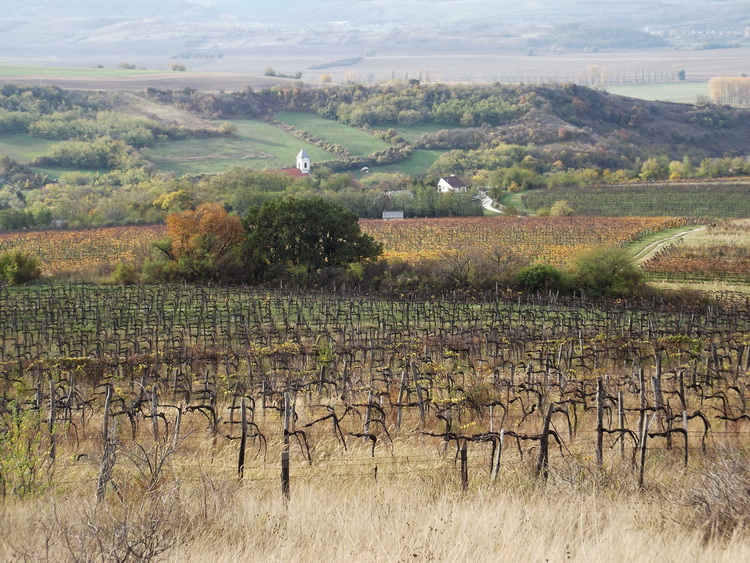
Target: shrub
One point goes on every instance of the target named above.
(606, 272)
(126, 273)
(22, 455)
(540, 277)
(19, 267)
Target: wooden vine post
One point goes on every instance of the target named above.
(243, 439)
(621, 421)
(644, 436)
(465, 466)
(285, 447)
(542, 462)
(108, 455)
(52, 418)
(154, 413)
(599, 422)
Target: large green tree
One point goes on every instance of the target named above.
(310, 233)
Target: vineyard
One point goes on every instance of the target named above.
(552, 239)
(65, 251)
(718, 253)
(113, 390)
(693, 199)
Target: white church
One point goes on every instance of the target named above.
(303, 162)
(302, 170)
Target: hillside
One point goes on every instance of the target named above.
(93, 158)
(601, 128)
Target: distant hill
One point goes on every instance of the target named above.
(63, 20)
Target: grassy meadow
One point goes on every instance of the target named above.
(683, 92)
(256, 145)
(356, 141)
(24, 147)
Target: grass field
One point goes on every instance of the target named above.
(411, 133)
(257, 145)
(686, 92)
(416, 164)
(78, 72)
(23, 147)
(357, 142)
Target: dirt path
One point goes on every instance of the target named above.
(655, 246)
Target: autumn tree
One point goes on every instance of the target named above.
(202, 245)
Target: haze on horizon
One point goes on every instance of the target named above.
(390, 37)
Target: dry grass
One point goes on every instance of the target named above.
(195, 509)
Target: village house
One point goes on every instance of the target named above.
(451, 183)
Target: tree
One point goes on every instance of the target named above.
(654, 169)
(203, 244)
(561, 208)
(605, 272)
(18, 268)
(308, 234)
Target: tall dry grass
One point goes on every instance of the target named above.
(195, 509)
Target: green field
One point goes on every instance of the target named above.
(687, 92)
(357, 142)
(52, 71)
(411, 133)
(256, 145)
(416, 164)
(22, 147)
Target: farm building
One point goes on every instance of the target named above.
(393, 214)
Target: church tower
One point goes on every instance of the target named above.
(303, 162)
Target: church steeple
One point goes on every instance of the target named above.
(303, 162)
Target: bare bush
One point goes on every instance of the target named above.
(719, 496)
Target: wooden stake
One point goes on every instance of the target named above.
(243, 439)
(621, 421)
(599, 422)
(52, 418)
(542, 462)
(285, 448)
(108, 455)
(401, 398)
(465, 466)
(154, 411)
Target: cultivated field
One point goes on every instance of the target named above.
(153, 421)
(549, 239)
(84, 252)
(705, 199)
(719, 253)
(397, 61)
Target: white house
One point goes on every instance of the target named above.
(452, 183)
